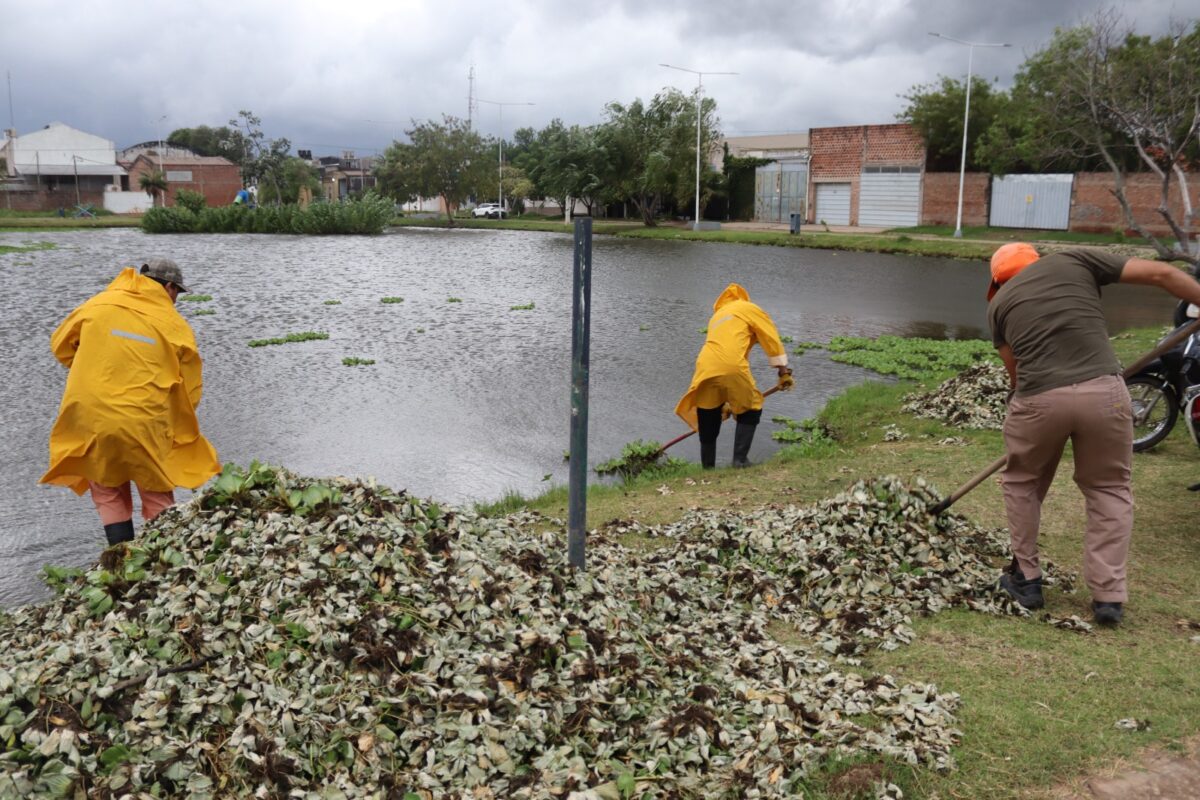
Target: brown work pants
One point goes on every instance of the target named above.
(1096, 417)
(115, 503)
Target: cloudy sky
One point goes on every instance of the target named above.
(353, 74)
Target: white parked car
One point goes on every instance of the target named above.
(489, 210)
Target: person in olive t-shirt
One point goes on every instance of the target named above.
(1048, 326)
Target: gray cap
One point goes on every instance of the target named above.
(166, 270)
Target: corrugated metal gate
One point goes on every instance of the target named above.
(890, 197)
(833, 203)
(1032, 201)
(779, 191)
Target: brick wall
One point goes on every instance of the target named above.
(219, 183)
(1095, 209)
(895, 145)
(939, 198)
(836, 157)
(45, 200)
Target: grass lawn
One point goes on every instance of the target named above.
(873, 243)
(42, 223)
(1020, 235)
(1039, 703)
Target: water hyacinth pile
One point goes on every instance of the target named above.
(637, 457)
(975, 398)
(278, 637)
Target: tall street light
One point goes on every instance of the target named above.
(501, 105)
(962, 170)
(699, 95)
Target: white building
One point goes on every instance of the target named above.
(59, 154)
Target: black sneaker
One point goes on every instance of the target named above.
(1107, 613)
(1026, 592)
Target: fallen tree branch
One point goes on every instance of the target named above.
(194, 664)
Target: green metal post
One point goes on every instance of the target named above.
(581, 324)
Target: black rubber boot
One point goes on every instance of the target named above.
(743, 437)
(119, 532)
(709, 425)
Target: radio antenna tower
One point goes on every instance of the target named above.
(471, 103)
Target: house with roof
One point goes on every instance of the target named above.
(215, 177)
(58, 167)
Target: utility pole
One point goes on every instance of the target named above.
(502, 105)
(699, 95)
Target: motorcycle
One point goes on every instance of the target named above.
(1167, 385)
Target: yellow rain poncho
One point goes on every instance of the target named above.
(128, 410)
(723, 368)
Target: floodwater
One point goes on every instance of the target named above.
(466, 400)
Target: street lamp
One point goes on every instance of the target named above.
(699, 94)
(962, 170)
(501, 105)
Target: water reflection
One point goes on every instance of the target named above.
(466, 400)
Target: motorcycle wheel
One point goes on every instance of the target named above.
(1154, 411)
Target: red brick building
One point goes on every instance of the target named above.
(218, 179)
(866, 175)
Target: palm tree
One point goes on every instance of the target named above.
(154, 184)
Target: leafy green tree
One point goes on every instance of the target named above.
(294, 175)
(651, 150)
(224, 141)
(441, 159)
(265, 158)
(1100, 93)
(936, 111)
(537, 158)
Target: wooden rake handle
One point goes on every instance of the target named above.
(1172, 340)
(681, 437)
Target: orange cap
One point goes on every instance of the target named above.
(1008, 261)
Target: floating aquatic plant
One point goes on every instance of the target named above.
(786, 339)
(802, 347)
(29, 247)
(203, 312)
(355, 361)
(911, 358)
(453, 299)
(390, 300)
(526, 307)
(304, 336)
(333, 302)
(420, 330)
(195, 298)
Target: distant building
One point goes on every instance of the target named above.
(154, 149)
(348, 176)
(217, 178)
(58, 167)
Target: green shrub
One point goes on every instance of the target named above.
(174, 219)
(369, 215)
(192, 201)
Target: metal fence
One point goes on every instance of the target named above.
(780, 190)
(1032, 201)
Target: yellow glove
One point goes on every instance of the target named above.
(786, 381)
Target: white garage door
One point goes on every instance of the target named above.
(890, 197)
(833, 203)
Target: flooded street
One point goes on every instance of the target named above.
(466, 400)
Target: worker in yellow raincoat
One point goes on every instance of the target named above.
(128, 412)
(722, 380)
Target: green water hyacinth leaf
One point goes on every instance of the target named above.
(355, 361)
(391, 300)
(333, 302)
(304, 336)
(195, 298)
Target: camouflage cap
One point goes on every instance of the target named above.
(166, 270)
